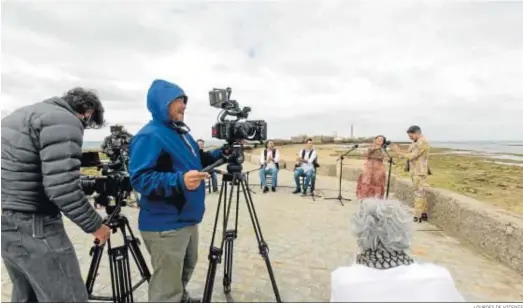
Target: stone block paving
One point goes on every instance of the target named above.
(307, 240)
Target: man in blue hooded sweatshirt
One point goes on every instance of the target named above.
(163, 166)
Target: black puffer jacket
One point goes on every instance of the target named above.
(41, 150)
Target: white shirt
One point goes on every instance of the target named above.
(407, 283)
(309, 164)
(270, 165)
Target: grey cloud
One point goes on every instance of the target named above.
(92, 28)
(454, 68)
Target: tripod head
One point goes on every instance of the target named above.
(232, 155)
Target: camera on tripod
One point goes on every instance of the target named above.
(232, 130)
(112, 183)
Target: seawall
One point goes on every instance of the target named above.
(492, 231)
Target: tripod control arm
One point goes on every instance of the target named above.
(216, 164)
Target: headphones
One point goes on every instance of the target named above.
(180, 127)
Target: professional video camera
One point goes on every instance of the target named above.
(232, 130)
(112, 183)
(235, 130)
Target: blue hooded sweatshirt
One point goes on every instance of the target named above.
(159, 158)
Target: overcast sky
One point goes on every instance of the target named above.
(455, 69)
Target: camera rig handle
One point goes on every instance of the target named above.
(216, 164)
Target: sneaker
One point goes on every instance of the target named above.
(297, 191)
(273, 189)
(265, 189)
(215, 189)
(304, 193)
(424, 217)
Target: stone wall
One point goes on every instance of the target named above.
(492, 231)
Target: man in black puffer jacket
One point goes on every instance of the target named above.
(41, 151)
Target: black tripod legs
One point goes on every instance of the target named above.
(262, 245)
(236, 181)
(119, 265)
(121, 275)
(230, 235)
(264, 252)
(134, 247)
(96, 253)
(215, 257)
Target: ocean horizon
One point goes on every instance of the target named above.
(486, 147)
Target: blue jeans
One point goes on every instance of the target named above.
(214, 181)
(40, 259)
(270, 171)
(308, 176)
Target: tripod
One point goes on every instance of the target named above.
(120, 271)
(340, 197)
(235, 179)
(391, 162)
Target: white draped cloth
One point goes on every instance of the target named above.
(406, 283)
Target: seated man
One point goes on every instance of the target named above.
(203, 158)
(269, 161)
(383, 271)
(305, 166)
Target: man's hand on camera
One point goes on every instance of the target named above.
(194, 178)
(102, 234)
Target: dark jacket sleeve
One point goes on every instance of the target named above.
(60, 138)
(144, 154)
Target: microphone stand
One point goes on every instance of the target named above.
(391, 162)
(340, 197)
(247, 179)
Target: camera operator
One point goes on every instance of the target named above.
(164, 164)
(41, 150)
(116, 142)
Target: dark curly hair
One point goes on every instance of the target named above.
(82, 100)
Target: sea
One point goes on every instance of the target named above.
(505, 150)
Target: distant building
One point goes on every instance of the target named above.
(352, 131)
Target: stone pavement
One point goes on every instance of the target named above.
(307, 240)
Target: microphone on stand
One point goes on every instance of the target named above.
(340, 198)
